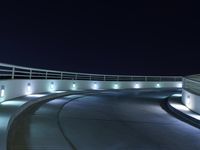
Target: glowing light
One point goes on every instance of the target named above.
(196, 116)
(180, 107)
(136, 86)
(179, 85)
(2, 91)
(177, 95)
(74, 86)
(116, 86)
(188, 101)
(185, 109)
(59, 91)
(13, 103)
(36, 95)
(95, 86)
(52, 86)
(29, 90)
(157, 85)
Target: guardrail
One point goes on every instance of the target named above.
(8, 71)
(191, 92)
(192, 83)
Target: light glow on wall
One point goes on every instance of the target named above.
(179, 85)
(137, 86)
(188, 101)
(196, 116)
(95, 86)
(13, 103)
(29, 89)
(74, 86)
(177, 95)
(52, 86)
(36, 95)
(59, 91)
(185, 110)
(180, 107)
(158, 85)
(2, 94)
(116, 86)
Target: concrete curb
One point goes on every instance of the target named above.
(5, 143)
(180, 115)
(23, 109)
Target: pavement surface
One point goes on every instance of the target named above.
(11, 110)
(107, 120)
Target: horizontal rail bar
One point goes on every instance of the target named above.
(17, 71)
(192, 83)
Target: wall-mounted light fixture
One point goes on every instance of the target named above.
(95, 86)
(52, 86)
(116, 86)
(74, 86)
(158, 85)
(29, 89)
(179, 85)
(188, 101)
(2, 94)
(136, 86)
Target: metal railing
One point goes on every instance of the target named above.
(8, 71)
(192, 84)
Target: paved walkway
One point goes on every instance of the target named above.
(110, 120)
(10, 109)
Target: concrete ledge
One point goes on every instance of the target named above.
(191, 100)
(16, 88)
(178, 113)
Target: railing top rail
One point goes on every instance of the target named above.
(76, 73)
(26, 68)
(192, 79)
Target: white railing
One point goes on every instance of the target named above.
(8, 71)
(192, 83)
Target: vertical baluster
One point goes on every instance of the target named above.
(46, 75)
(13, 73)
(61, 75)
(30, 74)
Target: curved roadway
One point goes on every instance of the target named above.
(107, 120)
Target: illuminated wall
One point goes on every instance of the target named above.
(14, 88)
(192, 101)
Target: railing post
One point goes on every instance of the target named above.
(30, 74)
(104, 78)
(61, 75)
(76, 76)
(90, 77)
(13, 73)
(46, 75)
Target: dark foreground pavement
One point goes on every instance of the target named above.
(110, 120)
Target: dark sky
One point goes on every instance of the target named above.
(111, 37)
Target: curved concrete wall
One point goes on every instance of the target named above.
(191, 93)
(192, 101)
(14, 88)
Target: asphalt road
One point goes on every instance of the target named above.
(109, 120)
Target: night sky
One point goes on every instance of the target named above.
(109, 37)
